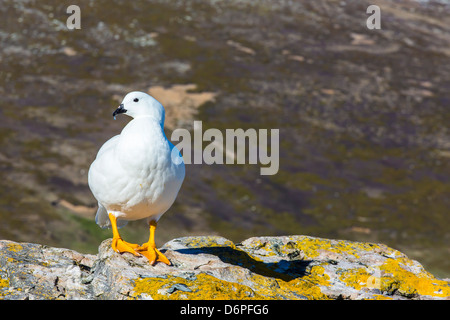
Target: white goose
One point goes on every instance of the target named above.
(137, 174)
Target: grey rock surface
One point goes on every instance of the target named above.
(212, 267)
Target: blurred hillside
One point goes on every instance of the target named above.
(363, 116)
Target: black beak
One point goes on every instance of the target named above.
(119, 110)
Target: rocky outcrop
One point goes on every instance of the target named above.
(288, 267)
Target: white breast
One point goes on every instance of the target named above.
(134, 176)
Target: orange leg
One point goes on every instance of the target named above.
(149, 250)
(118, 244)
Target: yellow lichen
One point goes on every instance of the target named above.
(312, 247)
(259, 243)
(208, 287)
(307, 287)
(302, 288)
(396, 277)
(317, 273)
(4, 283)
(381, 297)
(262, 280)
(393, 277)
(209, 241)
(15, 247)
(356, 278)
(205, 287)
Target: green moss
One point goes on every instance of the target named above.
(6, 135)
(304, 181)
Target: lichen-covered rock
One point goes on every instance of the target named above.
(33, 271)
(289, 267)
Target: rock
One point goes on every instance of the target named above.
(212, 267)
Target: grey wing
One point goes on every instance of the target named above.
(102, 218)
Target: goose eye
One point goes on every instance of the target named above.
(136, 100)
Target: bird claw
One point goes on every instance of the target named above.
(121, 246)
(153, 255)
